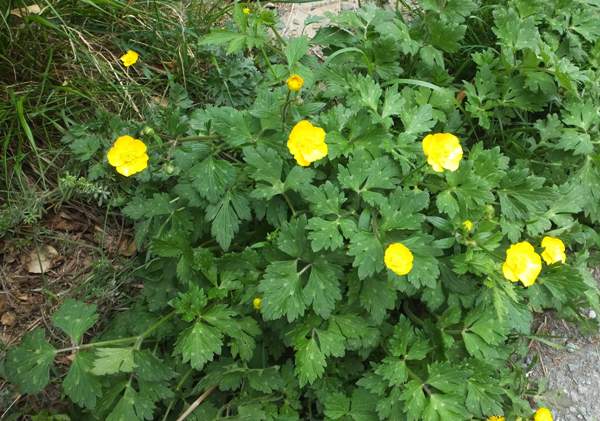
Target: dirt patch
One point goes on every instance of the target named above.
(74, 252)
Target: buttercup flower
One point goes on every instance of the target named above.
(543, 414)
(128, 155)
(246, 10)
(468, 225)
(398, 258)
(496, 418)
(554, 250)
(129, 58)
(307, 143)
(443, 151)
(522, 264)
(295, 82)
(257, 303)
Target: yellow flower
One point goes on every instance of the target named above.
(257, 303)
(246, 10)
(129, 58)
(554, 250)
(295, 82)
(307, 143)
(522, 264)
(128, 155)
(543, 414)
(468, 225)
(398, 258)
(496, 418)
(443, 151)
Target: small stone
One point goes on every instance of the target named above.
(572, 409)
(572, 367)
(571, 347)
(592, 314)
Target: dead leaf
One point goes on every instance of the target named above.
(8, 318)
(127, 247)
(43, 261)
(160, 100)
(32, 9)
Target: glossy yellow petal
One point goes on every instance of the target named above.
(554, 250)
(128, 155)
(257, 303)
(307, 143)
(543, 414)
(398, 258)
(443, 151)
(129, 58)
(522, 264)
(496, 418)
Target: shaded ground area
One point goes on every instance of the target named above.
(75, 251)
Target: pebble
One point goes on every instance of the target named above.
(592, 314)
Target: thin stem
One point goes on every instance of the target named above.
(289, 202)
(196, 403)
(152, 328)
(177, 389)
(266, 57)
(101, 343)
(279, 38)
(413, 375)
(412, 316)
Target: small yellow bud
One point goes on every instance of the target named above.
(468, 225)
(257, 303)
(295, 83)
(246, 10)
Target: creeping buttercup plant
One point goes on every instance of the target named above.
(369, 240)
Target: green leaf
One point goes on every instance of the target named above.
(198, 344)
(336, 405)
(377, 296)
(80, 385)
(414, 400)
(282, 291)
(266, 164)
(85, 147)
(417, 121)
(324, 234)
(324, 200)
(295, 49)
(445, 408)
(368, 253)
(113, 360)
(138, 208)
(292, 237)
(447, 377)
(393, 370)
(310, 362)
(363, 173)
(75, 318)
(299, 178)
(400, 211)
(213, 177)
(189, 304)
(28, 364)
(236, 127)
(226, 215)
(323, 288)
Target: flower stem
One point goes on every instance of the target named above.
(289, 202)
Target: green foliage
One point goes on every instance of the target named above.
(265, 287)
